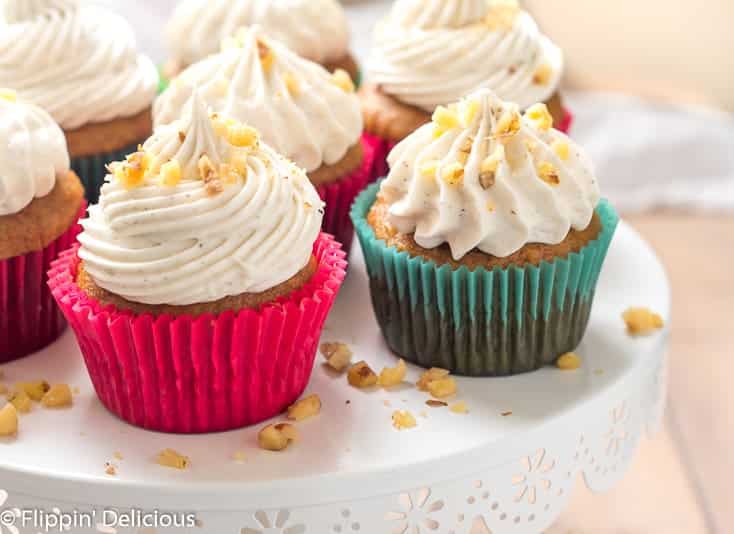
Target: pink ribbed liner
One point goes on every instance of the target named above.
(339, 196)
(382, 147)
(29, 317)
(205, 373)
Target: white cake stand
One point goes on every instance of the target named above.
(506, 467)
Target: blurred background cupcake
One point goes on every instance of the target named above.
(41, 200)
(306, 113)
(485, 242)
(428, 53)
(80, 64)
(315, 29)
(203, 265)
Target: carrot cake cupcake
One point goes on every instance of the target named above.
(309, 115)
(202, 281)
(80, 63)
(428, 53)
(40, 202)
(485, 241)
(315, 29)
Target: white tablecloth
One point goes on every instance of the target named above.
(646, 154)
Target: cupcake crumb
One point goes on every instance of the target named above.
(171, 458)
(403, 420)
(642, 321)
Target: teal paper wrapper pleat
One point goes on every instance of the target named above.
(481, 323)
(92, 169)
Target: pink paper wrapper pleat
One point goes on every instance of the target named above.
(29, 317)
(339, 196)
(381, 147)
(207, 373)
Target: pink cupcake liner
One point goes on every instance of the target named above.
(29, 317)
(382, 147)
(206, 373)
(339, 196)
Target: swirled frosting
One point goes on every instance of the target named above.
(481, 176)
(301, 109)
(432, 52)
(32, 153)
(203, 212)
(77, 62)
(314, 29)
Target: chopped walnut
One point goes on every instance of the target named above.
(171, 458)
(338, 355)
(403, 420)
(436, 403)
(444, 119)
(562, 149)
(489, 166)
(110, 469)
(8, 420)
(277, 437)
(361, 376)
(540, 117)
(35, 390)
(508, 124)
(267, 58)
(453, 174)
(543, 74)
(58, 396)
(393, 376)
(429, 376)
(642, 321)
(305, 408)
(459, 407)
(21, 401)
(342, 80)
(568, 362)
(548, 173)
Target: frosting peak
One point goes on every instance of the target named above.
(78, 62)
(203, 211)
(431, 52)
(483, 176)
(314, 29)
(32, 153)
(303, 111)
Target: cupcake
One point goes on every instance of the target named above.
(432, 52)
(306, 113)
(41, 200)
(485, 241)
(202, 282)
(315, 29)
(80, 64)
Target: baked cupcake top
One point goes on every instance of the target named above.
(32, 153)
(433, 52)
(78, 62)
(315, 29)
(203, 211)
(304, 112)
(483, 176)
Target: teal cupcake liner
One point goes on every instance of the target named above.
(483, 322)
(92, 170)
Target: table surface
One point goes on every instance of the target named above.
(679, 483)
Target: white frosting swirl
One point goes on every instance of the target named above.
(292, 101)
(180, 244)
(77, 62)
(432, 52)
(32, 153)
(487, 184)
(314, 29)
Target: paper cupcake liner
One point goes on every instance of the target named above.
(29, 317)
(482, 322)
(382, 147)
(340, 195)
(92, 169)
(206, 373)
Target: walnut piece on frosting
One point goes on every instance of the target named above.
(8, 95)
(502, 14)
(540, 116)
(343, 81)
(642, 321)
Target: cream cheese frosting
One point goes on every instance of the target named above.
(204, 211)
(314, 29)
(304, 112)
(483, 176)
(78, 62)
(432, 52)
(32, 153)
